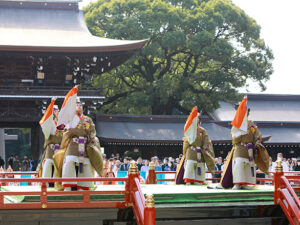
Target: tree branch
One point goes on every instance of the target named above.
(116, 97)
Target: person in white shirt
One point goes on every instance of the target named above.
(285, 166)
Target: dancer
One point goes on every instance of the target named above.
(53, 139)
(83, 154)
(240, 168)
(197, 150)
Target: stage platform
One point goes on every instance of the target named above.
(174, 205)
(164, 194)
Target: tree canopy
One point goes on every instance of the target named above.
(199, 52)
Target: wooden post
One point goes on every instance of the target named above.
(2, 176)
(151, 179)
(44, 197)
(149, 211)
(10, 170)
(130, 186)
(278, 173)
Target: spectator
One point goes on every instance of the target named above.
(218, 167)
(1, 162)
(110, 164)
(125, 165)
(171, 166)
(284, 164)
(11, 160)
(32, 165)
(271, 165)
(165, 167)
(180, 156)
(289, 162)
(297, 167)
(16, 164)
(157, 167)
(25, 164)
(118, 157)
(139, 163)
(165, 164)
(117, 166)
(145, 168)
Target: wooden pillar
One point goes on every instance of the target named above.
(37, 141)
(149, 211)
(130, 186)
(278, 173)
(151, 179)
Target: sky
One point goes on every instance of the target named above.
(279, 21)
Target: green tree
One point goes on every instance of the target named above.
(199, 52)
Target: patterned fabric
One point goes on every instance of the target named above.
(47, 168)
(191, 174)
(55, 138)
(242, 172)
(207, 152)
(92, 152)
(69, 170)
(240, 167)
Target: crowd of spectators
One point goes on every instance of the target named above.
(20, 165)
(116, 163)
(288, 164)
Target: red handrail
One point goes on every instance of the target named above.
(19, 173)
(44, 194)
(285, 196)
(133, 196)
(139, 205)
(143, 210)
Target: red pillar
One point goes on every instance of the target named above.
(149, 211)
(151, 179)
(130, 186)
(44, 197)
(278, 173)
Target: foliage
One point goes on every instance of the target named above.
(199, 52)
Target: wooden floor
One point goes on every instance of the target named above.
(175, 205)
(165, 194)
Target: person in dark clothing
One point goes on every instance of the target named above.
(1, 162)
(25, 164)
(125, 165)
(166, 161)
(33, 165)
(139, 163)
(218, 167)
(295, 166)
(11, 160)
(16, 164)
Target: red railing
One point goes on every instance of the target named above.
(7, 174)
(285, 195)
(144, 210)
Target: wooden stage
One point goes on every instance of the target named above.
(174, 204)
(163, 194)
